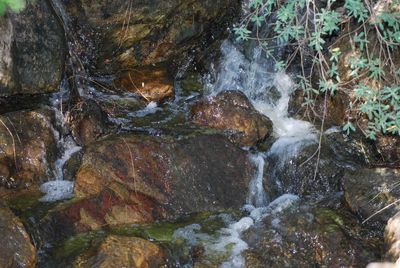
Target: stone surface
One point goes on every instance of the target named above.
(119, 251)
(151, 83)
(309, 235)
(28, 146)
(369, 190)
(135, 179)
(233, 113)
(133, 33)
(32, 51)
(87, 121)
(294, 172)
(16, 249)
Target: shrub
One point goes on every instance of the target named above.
(309, 26)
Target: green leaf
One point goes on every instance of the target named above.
(330, 21)
(348, 127)
(256, 3)
(316, 41)
(357, 9)
(258, 20)
(241, 33)
(361, 40)
(280, 66)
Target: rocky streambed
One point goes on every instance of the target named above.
(141, 134)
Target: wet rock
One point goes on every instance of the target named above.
(28, 145)
(16, 249)
(137, 33)
(151, 83)
(293, 170)
(335, 111)
(191, 83)
(33, 51)
(392, 237)
(87, 122)
(119, 251)
(388, 147)
(232, 112)
(136, 179)
(369, 190)
(309, 235)
(72, 166)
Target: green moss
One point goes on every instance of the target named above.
(27, 206)
(191, 83)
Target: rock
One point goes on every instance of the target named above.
(309, 235)
(292, 170)
(138, 33)
(87, 121)
(232, 112)
(119, 251)
(388, 147)
(16, 249)
(191, 83)
(369, 190)
(136, 179)
(33, 51)
(151, 83)
(392, 238)
(72, 166)
(335, 114)
(28, 146)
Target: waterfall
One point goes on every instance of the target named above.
(251, 72)
(58, 188)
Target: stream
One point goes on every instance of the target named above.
(135, 174)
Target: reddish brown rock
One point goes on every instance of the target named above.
(137, 179)
(119, 251)
(16, 249)
(28, 146)
(232, 112)
(137, 33)
(152, 83)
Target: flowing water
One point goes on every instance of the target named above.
(252, 73)
(59, 189)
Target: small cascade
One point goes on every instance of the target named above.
(58, 188)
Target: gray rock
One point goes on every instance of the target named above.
(32, 51)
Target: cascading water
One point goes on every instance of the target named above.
(58, 188)
(270, 94)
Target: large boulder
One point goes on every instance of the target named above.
(32, 51)
(133, 33)
(233, 113)
(28, 147)
(16, 249)
(309, 235)
(373, 193)
(119, 251)
(135, 179)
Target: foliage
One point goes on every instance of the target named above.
(310, 26)
(14, 5)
